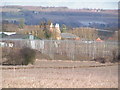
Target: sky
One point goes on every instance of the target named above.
(74, 4)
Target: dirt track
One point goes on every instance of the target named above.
(61, 74)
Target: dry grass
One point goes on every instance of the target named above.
(40, 77)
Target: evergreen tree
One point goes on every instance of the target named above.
(49, 22)
(47, 34)
(64, 28)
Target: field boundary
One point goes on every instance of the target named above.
(33, 67)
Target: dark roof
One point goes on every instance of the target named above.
(17, 36)
(68, 35)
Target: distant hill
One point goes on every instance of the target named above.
(33, 15)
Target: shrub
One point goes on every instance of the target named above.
(113, 58)
(99, 59)
(15, 56)
(11, 56)
(116, 56)
(28, 55)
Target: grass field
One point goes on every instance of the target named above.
(61, 74)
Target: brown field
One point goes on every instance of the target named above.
(61, 74)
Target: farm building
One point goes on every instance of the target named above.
(2, 35)
(99, 39)
(69, 36)
(8, 33)
(56, 30)
(21, 36)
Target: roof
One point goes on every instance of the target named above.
(8, 33)
(98, 39)
(68, 35)
(19, 36)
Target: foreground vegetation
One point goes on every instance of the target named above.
(61, 74)
(15, 56)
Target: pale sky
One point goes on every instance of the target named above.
(76, 4)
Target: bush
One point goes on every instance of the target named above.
(116, 56)
(99, 59)
(15, 56)
(11, 56)
(28, 55)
